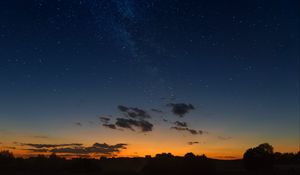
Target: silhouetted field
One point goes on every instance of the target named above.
(162, 164)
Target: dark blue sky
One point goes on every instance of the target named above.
(64, 62)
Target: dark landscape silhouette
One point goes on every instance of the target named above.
(258, 160)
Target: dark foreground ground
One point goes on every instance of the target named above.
(138, 166)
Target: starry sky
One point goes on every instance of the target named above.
(135, 78)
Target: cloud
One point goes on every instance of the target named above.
(104, 119)
(180, 124)
(143, 125)
(78, 123)
(106, 146)
(39, 146)
(134, 112)
(123, 108)
(96, 148)
(111, 126)
(193, 143)
(191, 131)
(181, 109)
(134, 118)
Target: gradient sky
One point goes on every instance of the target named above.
(231, 68)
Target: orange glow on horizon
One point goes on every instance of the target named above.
(142, 152)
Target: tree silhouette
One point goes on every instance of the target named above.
(189, 156)
(259, 158)
(6, 155)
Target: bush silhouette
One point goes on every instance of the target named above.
(259, 158)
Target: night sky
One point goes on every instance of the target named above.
(139, 77)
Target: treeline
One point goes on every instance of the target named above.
(262, 157)
(255, 160)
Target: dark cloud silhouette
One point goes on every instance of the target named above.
(97, 148)
(111, 126)
(134, 118)
(104, 119)
(123, 108)
(116, 146)
(135, 113)
(180, 124)
(78, 123)
(143, 125)
(39, 146)
(193, 143)
(181, 109)
(191, 131)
